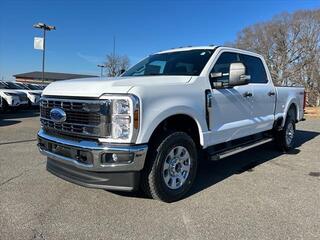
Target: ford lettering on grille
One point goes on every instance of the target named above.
(58, 115)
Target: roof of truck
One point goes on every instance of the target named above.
(188, 48)
(211, 47)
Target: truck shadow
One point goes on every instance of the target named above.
(8, 122)
(11, 116)
(213, 172)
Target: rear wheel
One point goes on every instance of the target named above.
(285, 137)
(171, 167)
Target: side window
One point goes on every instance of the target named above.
(223, 65)
(255, 68)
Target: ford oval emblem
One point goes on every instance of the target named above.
(58, 115)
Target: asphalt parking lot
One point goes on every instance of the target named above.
(257, 194)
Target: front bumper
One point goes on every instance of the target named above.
(82, 162)
(13, 101)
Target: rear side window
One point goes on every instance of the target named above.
(255, 68)
(223, 65)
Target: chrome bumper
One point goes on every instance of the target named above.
(70, 150)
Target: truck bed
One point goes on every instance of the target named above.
(293, 94)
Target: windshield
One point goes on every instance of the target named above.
(188, 63)
(33, 87)
(22, 86)
(12, 85)
(3, 86)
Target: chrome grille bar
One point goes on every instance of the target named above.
(84, 117)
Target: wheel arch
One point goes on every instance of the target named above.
(178, 121)
(291, 105)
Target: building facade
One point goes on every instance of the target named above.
(36, 77)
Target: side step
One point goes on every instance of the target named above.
(238, 149)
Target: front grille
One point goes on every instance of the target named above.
(84, 117)
(23, 97)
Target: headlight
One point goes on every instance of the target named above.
(124, 118)
(120, 106)
(120, 127)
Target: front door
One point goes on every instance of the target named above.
(232, 108)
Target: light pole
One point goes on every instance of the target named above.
(45, 28)
(101, 66)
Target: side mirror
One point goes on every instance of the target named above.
(237, 75)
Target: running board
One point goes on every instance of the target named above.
(239, 149)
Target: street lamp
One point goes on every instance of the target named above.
(45, 28)
(101, 66)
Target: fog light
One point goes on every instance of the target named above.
(117, 158)
(114, 157)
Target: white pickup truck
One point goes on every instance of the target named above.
(32, 94)
(149, 127)
(11, 98)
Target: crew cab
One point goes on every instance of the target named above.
(11, 98)
(149, 127)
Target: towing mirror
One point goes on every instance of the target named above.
(237, 75)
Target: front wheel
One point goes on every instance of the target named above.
(5, 106)
(171, 167)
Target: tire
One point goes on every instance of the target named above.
(5, 106)
(285, 137)
(170, 168)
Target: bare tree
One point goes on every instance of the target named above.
(290, 43)
(115, 64)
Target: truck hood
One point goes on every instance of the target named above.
(95, 87)
(11, 91)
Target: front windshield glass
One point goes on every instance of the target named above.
(12, 85)
(188, 63)
(3, 86)
(33, 87)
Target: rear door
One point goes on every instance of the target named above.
(264, 96)
(231, 115)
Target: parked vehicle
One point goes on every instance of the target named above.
(32, 94)
(34, 86)
(11, 98)
(149, 127)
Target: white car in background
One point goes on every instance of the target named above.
(11, 98)
(40, 86)
(33, 93)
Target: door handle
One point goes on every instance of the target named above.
(271, 93)
(247, 94)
